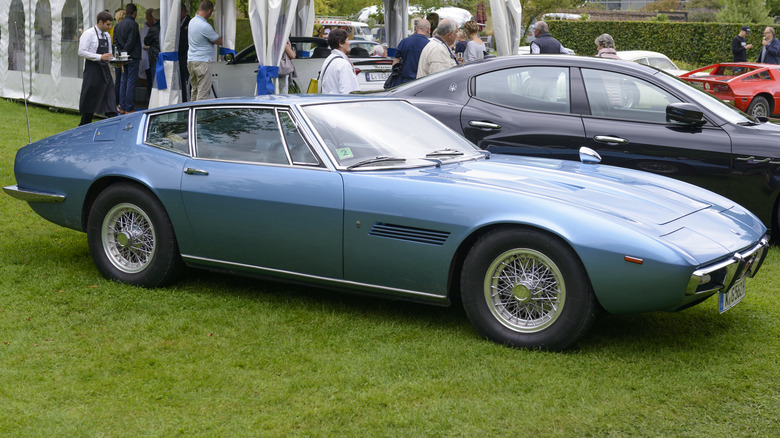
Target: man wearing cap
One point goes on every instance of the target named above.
(739, 45)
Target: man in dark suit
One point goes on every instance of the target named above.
(127, 38)
(770, 53)
(184, 73)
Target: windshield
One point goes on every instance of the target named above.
(364, 135)
(705, 100)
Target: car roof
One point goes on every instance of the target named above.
(554, 60)
(630, 54)
(274, 99)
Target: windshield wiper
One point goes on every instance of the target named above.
(444, 152)
(376, 160)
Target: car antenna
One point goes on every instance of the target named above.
(24, 93)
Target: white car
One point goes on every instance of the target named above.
(238, 76)
(652, 59)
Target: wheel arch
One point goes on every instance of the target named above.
(100, 184)
(770, 100)
(456, 268)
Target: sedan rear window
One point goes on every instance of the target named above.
(527, 88)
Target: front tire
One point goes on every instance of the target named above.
(759, 107)
(131, 238)
(527, 289)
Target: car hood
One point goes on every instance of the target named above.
(658, 205)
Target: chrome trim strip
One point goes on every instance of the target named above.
(32, 195)
(353, 285)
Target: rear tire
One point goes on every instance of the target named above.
(759, 107)
(131, 238)
(527, 289)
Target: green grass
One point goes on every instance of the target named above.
(224, 356)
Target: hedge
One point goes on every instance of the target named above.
(696, 43)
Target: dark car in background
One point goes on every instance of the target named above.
(633, 115)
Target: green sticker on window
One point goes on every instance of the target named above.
(344, 153)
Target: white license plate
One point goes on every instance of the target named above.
(382, 76)
(699, 85)
(730, 298)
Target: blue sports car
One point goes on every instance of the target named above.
(312, 189)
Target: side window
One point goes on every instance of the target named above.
(169, 130)
(299, 150)
(239, 134)
(527, 88)
(625, 97)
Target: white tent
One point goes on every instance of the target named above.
(507, 26)
(39, 40)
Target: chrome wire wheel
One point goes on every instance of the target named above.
(129, 238)
(524, 290)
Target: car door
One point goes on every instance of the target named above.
(237, 78)
(257, 196)
(524, 110)
(628, 128)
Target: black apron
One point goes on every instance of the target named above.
(97, 86)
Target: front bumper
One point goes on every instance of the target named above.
(720, 276)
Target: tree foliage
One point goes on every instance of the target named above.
(744, 11)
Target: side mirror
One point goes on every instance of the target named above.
(229, 57)
(684, 114)
(588, 155)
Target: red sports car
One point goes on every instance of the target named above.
(751, 87)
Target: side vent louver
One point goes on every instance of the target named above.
(409, 234)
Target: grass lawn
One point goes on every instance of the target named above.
(224, 356)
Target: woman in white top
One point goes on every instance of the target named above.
(475, 49)
(338, 75)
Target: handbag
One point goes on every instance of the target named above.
(312, 86)
(286, 66)
(396, 72)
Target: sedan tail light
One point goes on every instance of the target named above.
(721, 88)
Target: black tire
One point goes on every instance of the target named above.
(759, 107)
(131, 238)
(544, 299)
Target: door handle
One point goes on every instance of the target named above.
(191, 171)
(484, 125)
(610, 139)
(754, 160)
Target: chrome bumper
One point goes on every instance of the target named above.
(33, 196)
(722, 275)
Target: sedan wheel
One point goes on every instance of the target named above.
(131, 238)
(759, 107)
(526, 289)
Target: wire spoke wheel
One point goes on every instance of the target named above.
(524, 290)
(129, 238)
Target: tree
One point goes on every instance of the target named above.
(774, 7)
(744, 11)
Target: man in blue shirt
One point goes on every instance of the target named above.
(409, 50)
(201, 38)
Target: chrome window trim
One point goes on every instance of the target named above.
(147, 121)
(276, 109)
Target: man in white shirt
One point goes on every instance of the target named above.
(338, 75)
(97, 85)
(437, 54)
